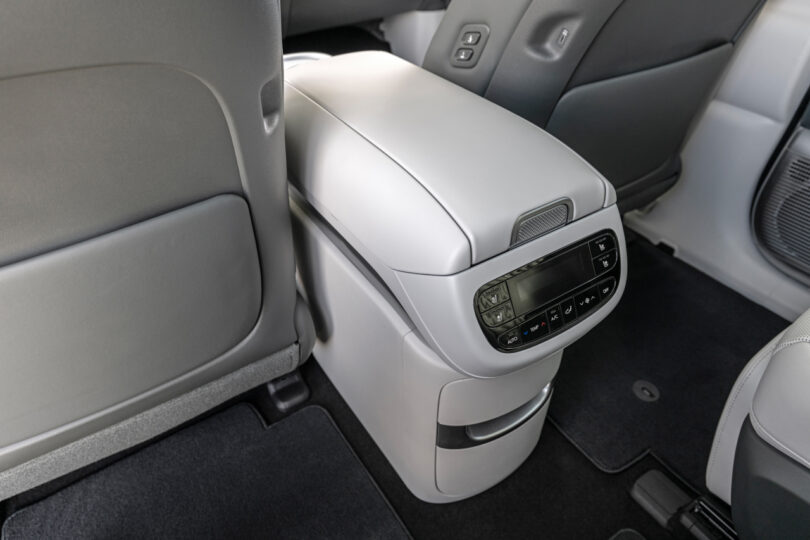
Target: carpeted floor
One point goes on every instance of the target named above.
(556, 494)
(680, 330)
(227, 476)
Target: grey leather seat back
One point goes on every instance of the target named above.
(146, 247)
(619, 81)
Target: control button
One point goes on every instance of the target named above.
(471, 38)
(606, 288)
(511, 339)
(535, 328)
(601, 245)
(605, 262)
(493, 297)
(555, 318)
(499, 315)
(586, 301)
(463, 55)
(568, 312)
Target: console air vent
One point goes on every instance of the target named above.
(539, 222)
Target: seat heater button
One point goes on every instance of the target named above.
(569, 313)
(499, 315)
(555, 318)
(606, 288)
(605, 262)
(471, 38)
(493, 297)
(463, 55)
(511, 339)
(535, 328)
(601, 245)
(586, 301)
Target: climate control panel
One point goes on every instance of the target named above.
(549, 295)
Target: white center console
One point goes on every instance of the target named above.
(450, 251)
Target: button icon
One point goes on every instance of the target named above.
(586, 301)
(471, 38)
(511, 339)
(493, 296)
(499, 315)
(535, 329)
(568, 311)
(602, 245)
(605, 262)
(606, 288)
(555, 318)
(464, 55)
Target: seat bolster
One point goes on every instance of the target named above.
(781, 406)
(721, 459)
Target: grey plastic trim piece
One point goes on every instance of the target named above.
(536, 66)
(144, 426)
(706, 217)
(452, 437)
(586, 117)
(87, 151)
(488, 431)
(303, 210)
(92, 325)
(500, 17)
(659, 496)
(541, 221)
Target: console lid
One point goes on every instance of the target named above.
(477, 167)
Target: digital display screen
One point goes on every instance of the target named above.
(544, 283)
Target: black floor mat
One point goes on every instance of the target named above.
(680, 330)
(225, 477)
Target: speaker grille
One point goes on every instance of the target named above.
(539, 222)
(783, 213)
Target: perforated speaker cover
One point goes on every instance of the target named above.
(782, 214)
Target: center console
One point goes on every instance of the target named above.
(450, 251)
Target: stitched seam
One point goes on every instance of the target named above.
(758, 427)
(787, 344)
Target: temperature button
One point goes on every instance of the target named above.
(535, 328)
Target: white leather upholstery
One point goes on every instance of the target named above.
(781, 408)
(772, 391)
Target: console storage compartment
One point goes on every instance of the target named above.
(415, 203)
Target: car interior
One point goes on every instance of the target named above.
(372, 269)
